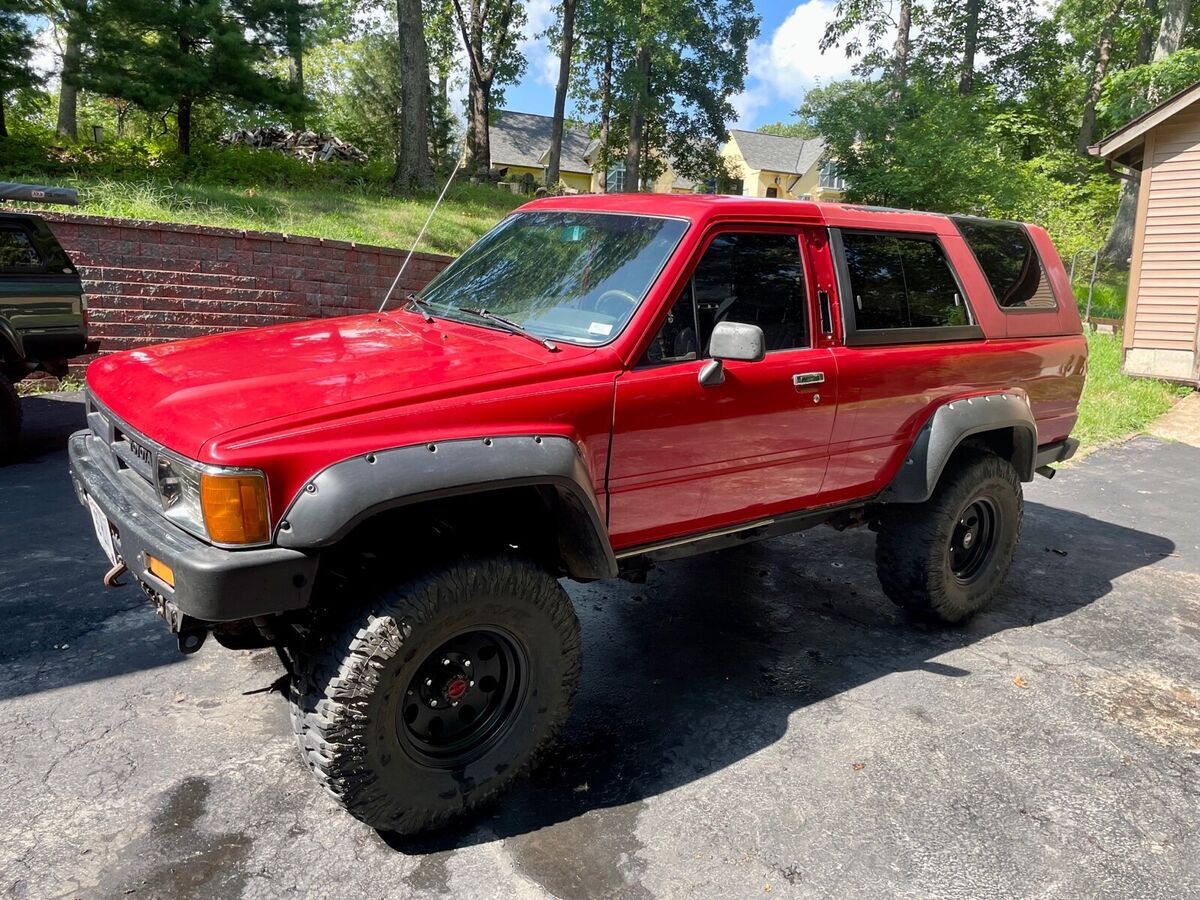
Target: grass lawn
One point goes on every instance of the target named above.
(1115, 405)
(364, 214)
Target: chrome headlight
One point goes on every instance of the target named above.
(226, 506)
(179, 493)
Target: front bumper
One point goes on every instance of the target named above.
(211, 584)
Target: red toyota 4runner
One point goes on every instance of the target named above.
(599, 383)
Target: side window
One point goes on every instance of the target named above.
(901, 282)
(743, 277)
(17, 252)
(1009, 262)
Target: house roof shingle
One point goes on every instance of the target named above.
(523, 139)
(775, 153)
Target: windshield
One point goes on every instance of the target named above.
(569, 276)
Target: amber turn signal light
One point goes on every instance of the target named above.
(235, 508)
(160, 570)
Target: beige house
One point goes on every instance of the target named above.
(1162, 309)
(521, 146)
(768, 165)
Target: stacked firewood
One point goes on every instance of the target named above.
(306, 145)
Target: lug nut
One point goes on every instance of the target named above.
(428, 682)
(433, 703)
(472, 684)
(445, 662)
(467, 663)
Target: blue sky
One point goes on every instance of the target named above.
(784, 62)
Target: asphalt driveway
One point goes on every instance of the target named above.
(756, 722)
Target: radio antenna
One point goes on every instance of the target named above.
(421, 233)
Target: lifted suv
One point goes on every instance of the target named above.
(42, 308)
(598, 384)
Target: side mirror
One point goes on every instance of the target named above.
(731, 340)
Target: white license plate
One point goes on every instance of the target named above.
(103, 530)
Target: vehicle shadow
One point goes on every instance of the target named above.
(702, 666)
(51, 597)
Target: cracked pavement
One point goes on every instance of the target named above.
(756, 722)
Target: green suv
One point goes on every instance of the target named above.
(43, 314)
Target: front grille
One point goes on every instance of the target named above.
(123, 451)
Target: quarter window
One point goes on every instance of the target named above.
(1009, 262)
(743, 277)
(901, 282)
(17, 252)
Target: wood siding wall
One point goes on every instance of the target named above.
(1166, 264)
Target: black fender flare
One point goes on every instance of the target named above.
(951, 424)
(351, 491)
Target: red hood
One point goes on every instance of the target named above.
(186, 393)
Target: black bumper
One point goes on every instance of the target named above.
(211, 584)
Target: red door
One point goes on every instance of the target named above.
(687, 458)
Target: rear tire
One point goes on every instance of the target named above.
(947, 557)
(10, 417)
(438, 693)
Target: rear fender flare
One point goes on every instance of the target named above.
(10, 341)
(948, 427)
(355, 489)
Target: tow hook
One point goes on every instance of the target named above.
(110, 578)
(191, 640)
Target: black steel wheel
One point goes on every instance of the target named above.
(947, 557)
(464, 697)
(433, 696)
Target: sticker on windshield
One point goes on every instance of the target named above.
(604, 328)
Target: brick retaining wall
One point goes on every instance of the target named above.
(149, 282)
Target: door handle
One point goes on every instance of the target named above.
(807, 379)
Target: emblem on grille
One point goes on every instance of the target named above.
(142, 453)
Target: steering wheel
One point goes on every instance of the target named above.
(616, 303)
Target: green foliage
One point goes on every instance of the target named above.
(168, 54)
(1129, 93)
(1113, 405)
(799, 129)
(16, 51)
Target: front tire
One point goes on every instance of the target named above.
(947, 557)
(437, 694)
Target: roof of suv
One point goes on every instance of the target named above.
(701, 208)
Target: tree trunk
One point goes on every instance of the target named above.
(3, 126)
(637, 119)
(183, 123)
(901, 47)
(605, 116)
(479, 146)
(560, 92)
(1118, 246)
(1103, 55)
(966, 77)
(413, 169)
(1170, 33)
(1145, 46)
(68, 96)
(294, 26)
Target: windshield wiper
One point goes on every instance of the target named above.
(510, 325)
(420, 306)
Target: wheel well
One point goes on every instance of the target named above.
(540, 522)
(1008, 443)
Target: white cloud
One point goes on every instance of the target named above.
(789, 62)
(543, 64)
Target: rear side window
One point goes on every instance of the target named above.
(753, 278)
(901, 282)
(1009, 262)
(17, 253)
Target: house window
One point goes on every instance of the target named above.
(831, 178)
(615, 183)
(772, 192)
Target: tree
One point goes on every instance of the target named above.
(169, 55)
(413, 169)
(441, 38)
(489, 31)
(16, 53)
(566, 47)
(1102, 58)
(69, 18)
